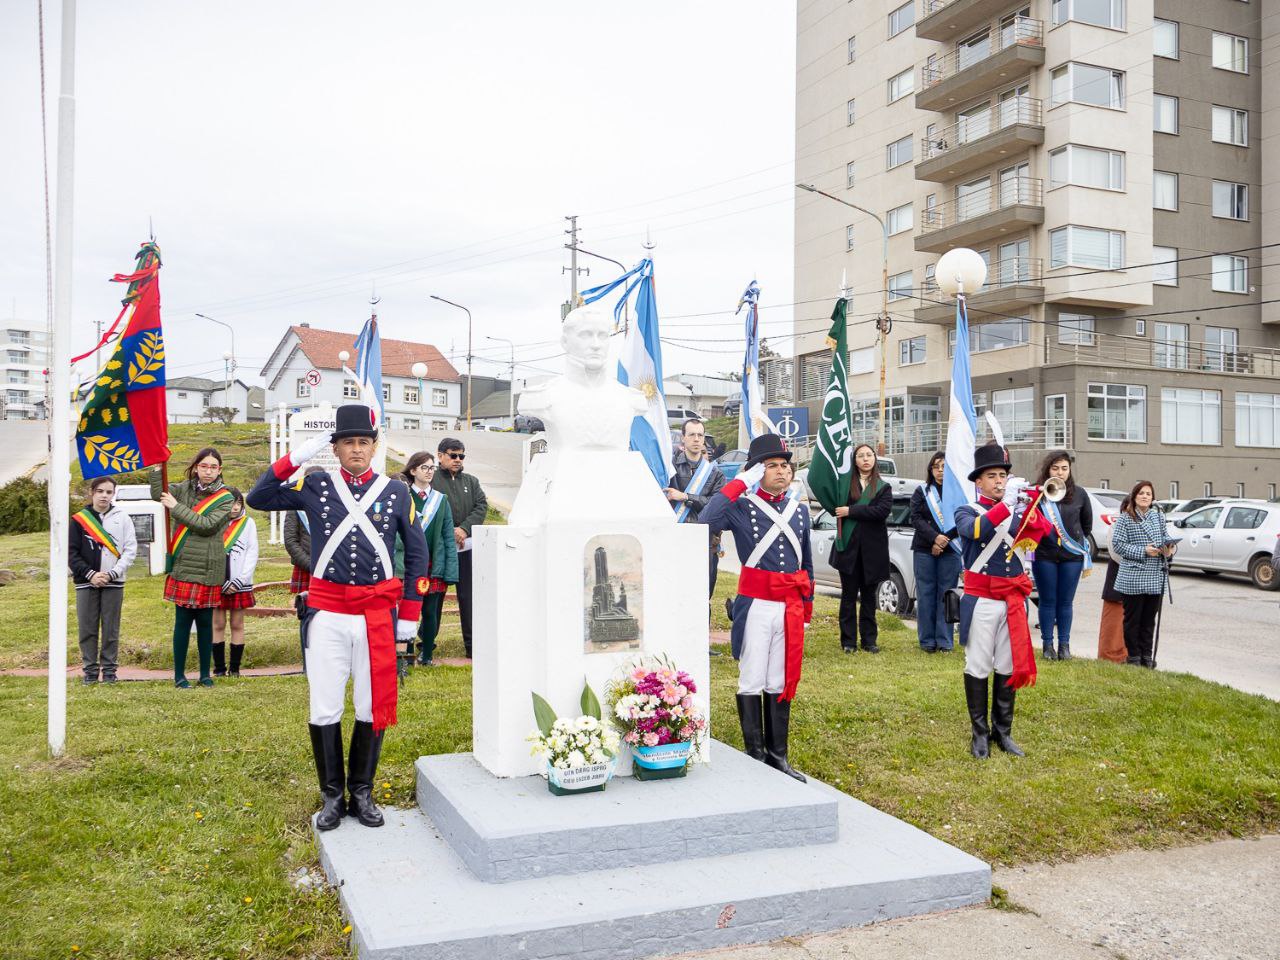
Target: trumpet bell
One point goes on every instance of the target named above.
(1055, 490)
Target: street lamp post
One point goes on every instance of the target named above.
(468, 313)
(228, 361)
(882, 324)
(511, 376)
(419, 370)
(626, 317)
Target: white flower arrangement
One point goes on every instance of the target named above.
(572, 744)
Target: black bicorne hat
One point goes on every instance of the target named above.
(767, 446)
(354, 420)
(987, 456)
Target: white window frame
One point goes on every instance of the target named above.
(1160, 275)
(410, 393)
(1180, 406)
(850, 173)
(848, 236)
(893, 152)
(412, 423)
(1155, 39)
(439, 424)
(303, 388)
(900, 219)
(983, 340)
(1066, 156)
(1077, 329)
(1230, 198)
(1155, 193)
(386, 393)
(851, 112)
(913, 351)
(1064, 10)
(1234, 269)
(1160, 102)
(439, 397)
(350, 390)
(1170, 348)
(901, 85)
(1236, 122)
(1230, 53)
(1115, 248)
(900, 286)
(902, 18)
(1260, 413)
(1133, 392)
(853, 49)
(1067, 94)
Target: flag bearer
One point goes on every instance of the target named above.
(357, 608)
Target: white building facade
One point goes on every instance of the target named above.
(24, 357)
(188, 399)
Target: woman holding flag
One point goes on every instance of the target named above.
(432, 513)
(937, 559)
(1063, 557)
(240, 541)
(860, 553)
(103, 544)
(201, 509)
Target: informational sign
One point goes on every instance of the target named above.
(312, 378)
(792, 422)
(319, 420)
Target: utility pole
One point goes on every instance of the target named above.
(573, 269)
(468, 313)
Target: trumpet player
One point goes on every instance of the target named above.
(993, 613)
(1063, 556)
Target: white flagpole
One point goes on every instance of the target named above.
(59, 399)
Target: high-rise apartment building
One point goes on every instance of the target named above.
(24, 358)
(1117, 164)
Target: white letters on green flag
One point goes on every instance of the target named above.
(830, 472)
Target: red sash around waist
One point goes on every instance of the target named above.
(793, 589)
(1014, 592)
(377, 603)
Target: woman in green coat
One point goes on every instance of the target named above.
(431, 510)
(200, 507)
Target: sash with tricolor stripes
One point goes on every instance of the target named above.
(696, 483)
(1050, 510)
(179, 538)
(427, 506)
(95, 531)
(935, 507)
(233, 530)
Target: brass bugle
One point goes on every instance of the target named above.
(1054, 489)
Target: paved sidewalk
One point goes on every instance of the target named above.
(1214, 901)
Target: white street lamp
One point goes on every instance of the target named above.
(960, 271)
(419, 370)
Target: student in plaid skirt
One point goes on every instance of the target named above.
(240, 541)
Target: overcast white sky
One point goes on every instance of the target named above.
(294, 154)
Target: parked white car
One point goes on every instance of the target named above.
(1177, 509)
(897, 594)
(1232, 536)
(1106, 507)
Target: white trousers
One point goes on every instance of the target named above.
(338, 648)
(763, 664)
(988, 647)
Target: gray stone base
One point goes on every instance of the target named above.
(408, 894)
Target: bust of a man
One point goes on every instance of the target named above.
(587, 408)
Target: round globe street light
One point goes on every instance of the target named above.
(419, 371)
(960, 271)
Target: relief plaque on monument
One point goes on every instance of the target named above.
(612, 598)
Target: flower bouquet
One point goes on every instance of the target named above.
(580, 753)
(652, 705)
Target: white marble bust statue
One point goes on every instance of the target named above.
(587, 408)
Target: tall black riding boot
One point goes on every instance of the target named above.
(975, 695)
(1002, 715)
(220, 659)
(777, 720)
(751, 719)
(237, 654)
(366, 747)
(326, 745)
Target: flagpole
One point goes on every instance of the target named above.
(60, 389)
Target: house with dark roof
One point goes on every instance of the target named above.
(304, 370)
(188, 399)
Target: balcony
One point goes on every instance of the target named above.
(1191, 356)
(982, 214)
(981, 139)
(1013, 285)
(949, 20)
(1010, 51)
(1036, 434)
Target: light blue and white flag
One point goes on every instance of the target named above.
(640, 366)
(962, 424)
(751, 419)
(368, 371)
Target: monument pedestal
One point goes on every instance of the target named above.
(734, 853)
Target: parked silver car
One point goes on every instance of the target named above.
(1106, 507)
(1233, 536)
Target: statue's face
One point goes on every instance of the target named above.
(586, 338)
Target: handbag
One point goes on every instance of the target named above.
(951, 604)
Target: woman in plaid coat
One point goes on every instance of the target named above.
(1140, 541)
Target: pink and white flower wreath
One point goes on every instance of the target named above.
(651, 704)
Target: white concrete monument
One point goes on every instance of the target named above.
(590, 570)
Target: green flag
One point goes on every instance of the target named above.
(831, 469)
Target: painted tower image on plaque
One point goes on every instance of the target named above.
(613, 601)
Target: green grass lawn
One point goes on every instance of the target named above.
(172, 807)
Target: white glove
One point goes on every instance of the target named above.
(406, 630)
(309, 449)
(752, 475)
(1012, 490)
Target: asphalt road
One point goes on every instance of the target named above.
(25, 447)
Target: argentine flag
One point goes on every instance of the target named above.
(640, 366)
(962, 423)
(368, 372)
(751, 417)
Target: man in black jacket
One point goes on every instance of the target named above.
(469, 506)
(696, 481)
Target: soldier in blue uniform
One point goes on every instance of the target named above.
(357, 609)
(775, 594)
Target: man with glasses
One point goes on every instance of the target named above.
(697, 479)
(469, 505)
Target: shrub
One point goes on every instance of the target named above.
(24, 507)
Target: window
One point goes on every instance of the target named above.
(303, 388)
(16, 356)
(1258, 420)
(1221, 349)
(985, 337)
(386, 393)
(1240, 494)
(898, 153)
(1086, 247)
(902, 18)
(1205, 519)
(1230, 126)
(182, 394)
(1164, 190)
(1244, 518)
(973, 49)
(900, 286)
(1171, 345)
(1165, 36)
(1230, 53)
(1271, 491)
(851, 111)
(439, 424)
(411, 423)
(853, 49)
(1231, 200)
(1076, 328)
(1173, 490)
(1230, 274)
(1086, 167)
(410, 395)
(860, 361)
(911, 351)
(848, 237)
(1190, 416)
(439, 397)
(349, 390)
(899, 219)
(1083, 83)
(1164, 113)
(849, 173)
(1015, 409)
(1100, 13)
(1117, 411)
(1164, 269)
(901, 85)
